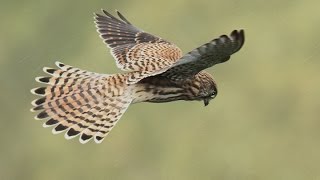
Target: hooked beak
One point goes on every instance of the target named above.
(206, 101)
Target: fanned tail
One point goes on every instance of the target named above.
(81, 102)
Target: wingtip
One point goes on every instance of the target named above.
(241, 32)
(122, 17)
(95, 17)
(118, 12)
(106, 12)
(238, 35)
(241, 37)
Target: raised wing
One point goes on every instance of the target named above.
(214, 52)
(134, 49)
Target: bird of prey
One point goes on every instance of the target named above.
(88, 104)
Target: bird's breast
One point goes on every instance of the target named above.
(152, 93)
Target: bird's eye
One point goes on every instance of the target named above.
(213, 95)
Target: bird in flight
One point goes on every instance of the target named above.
(88, 104)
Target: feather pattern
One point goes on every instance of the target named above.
(81, 102)
(88, 105)
(134, 49)
(214, 52)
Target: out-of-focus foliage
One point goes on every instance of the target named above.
(264, 124)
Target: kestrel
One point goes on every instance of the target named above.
(90, 104)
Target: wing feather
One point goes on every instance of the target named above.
(134, 49)
(214, 52)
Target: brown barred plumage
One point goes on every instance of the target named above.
(133, 49)
(81, 102)
(89, 104)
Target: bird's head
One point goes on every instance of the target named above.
(203, 88)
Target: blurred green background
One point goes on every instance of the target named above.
(264, 124)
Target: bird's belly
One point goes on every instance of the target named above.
(157, 94)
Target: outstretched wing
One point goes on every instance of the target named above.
(134, 49)
(214, 52)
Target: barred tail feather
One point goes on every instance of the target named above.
(81, 103)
